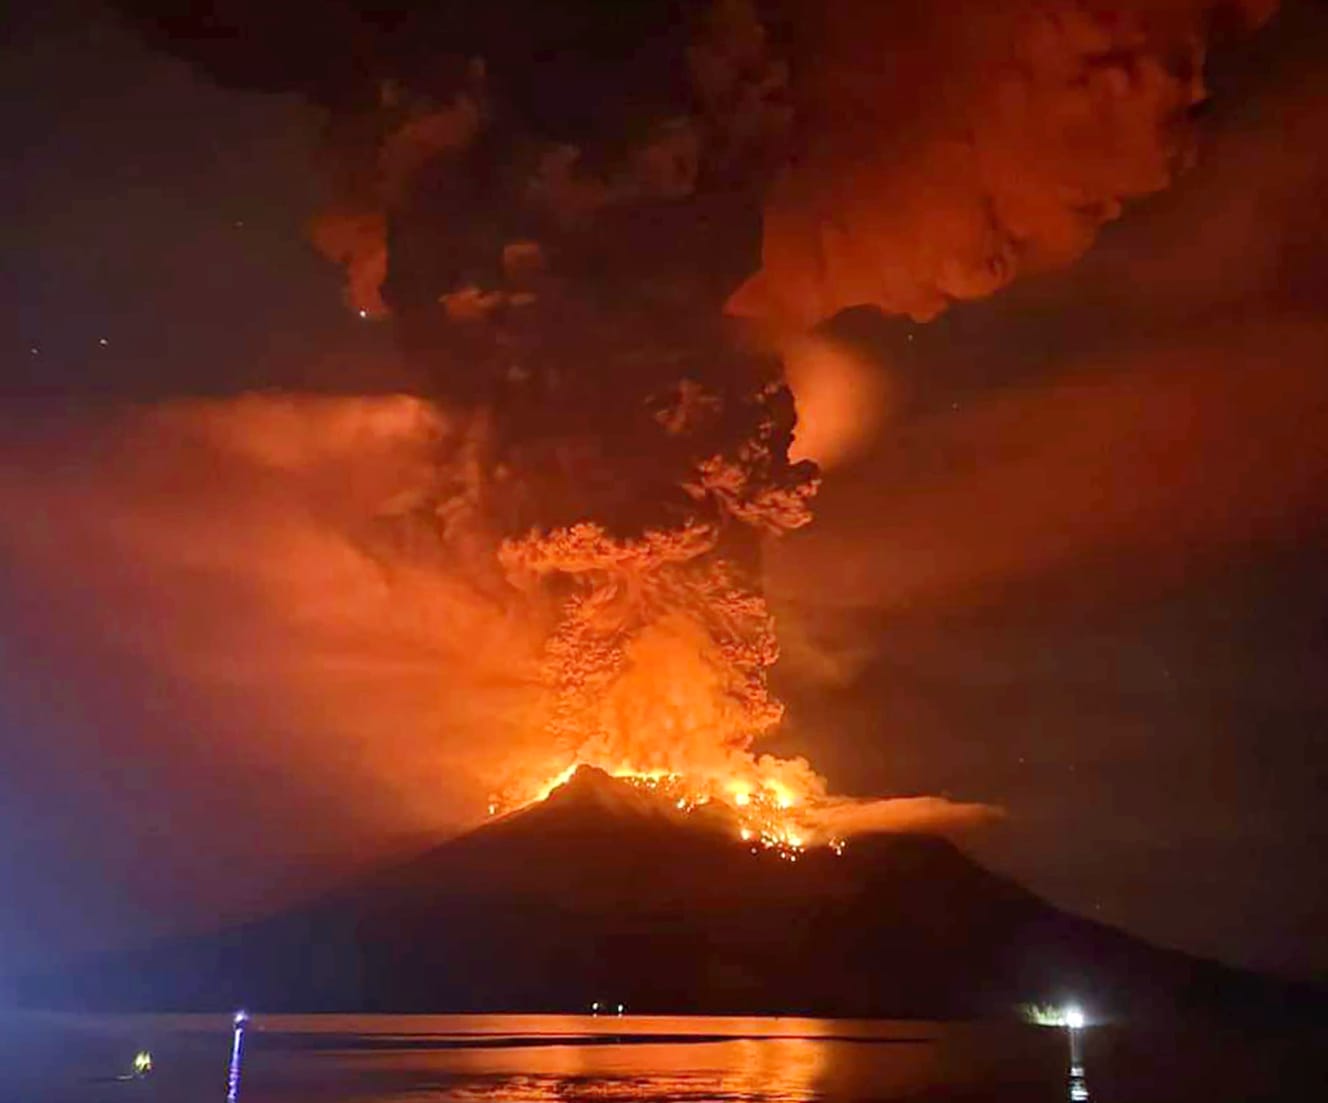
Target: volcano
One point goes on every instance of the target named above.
(606, 893)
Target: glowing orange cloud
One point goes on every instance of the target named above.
(264, 555)
(843, 401)
(276, 559)
(945, 148)
(1173, 458)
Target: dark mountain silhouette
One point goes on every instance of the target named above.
(604, 892)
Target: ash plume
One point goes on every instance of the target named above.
(943, 149)
(259, 552)
(557, 204)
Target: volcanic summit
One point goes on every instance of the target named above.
(607, 892)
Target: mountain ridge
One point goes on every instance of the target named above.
(605, 892)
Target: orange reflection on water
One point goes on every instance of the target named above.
(774, 1070)
(534, 1059)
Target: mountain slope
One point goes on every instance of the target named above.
(604, 892)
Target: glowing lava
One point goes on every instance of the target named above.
(768, 815)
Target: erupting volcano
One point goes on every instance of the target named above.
(594, 232)
(598, 232)
(607, 891)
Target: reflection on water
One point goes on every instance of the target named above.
(640, 1059)
(1078, 1085)
(534, 1059)
(517, 1059)
(239, 1022)
(770, 1070)
(1078, 1081)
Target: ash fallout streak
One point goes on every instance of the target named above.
(595, 232)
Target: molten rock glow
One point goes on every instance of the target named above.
(774, 804)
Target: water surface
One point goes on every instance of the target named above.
(533, 1059)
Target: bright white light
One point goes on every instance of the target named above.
(1051, 1015)
(241, 1017)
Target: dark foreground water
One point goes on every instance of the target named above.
(531, 1059)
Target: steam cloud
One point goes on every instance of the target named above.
(555, 207)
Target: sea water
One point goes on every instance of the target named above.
(52, 1058)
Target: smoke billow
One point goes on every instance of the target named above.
(943, 149)
(260, 552)
(555, 203)
(1187, 436)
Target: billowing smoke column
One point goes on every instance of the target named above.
(565, 207)
(557, 246)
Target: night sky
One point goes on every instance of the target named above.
(1078, 573)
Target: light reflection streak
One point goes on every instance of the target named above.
(636, 1059)
(1078, 1080)
(237, 1056)
(772, 1070)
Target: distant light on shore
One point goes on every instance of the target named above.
(1070, 1016)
